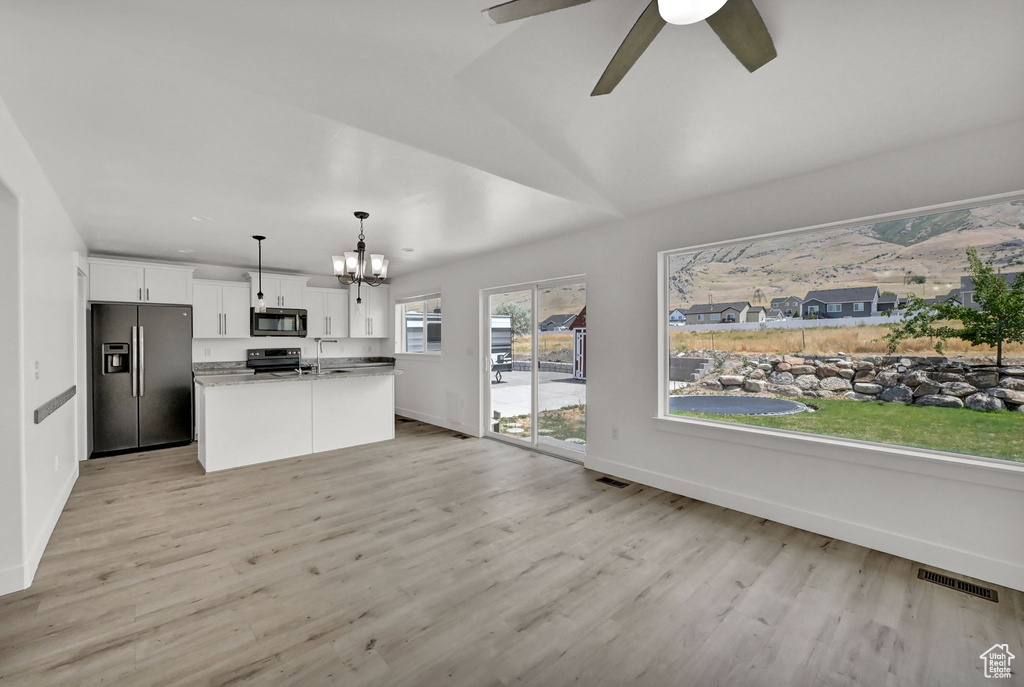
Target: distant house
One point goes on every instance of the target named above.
(774, 314)
(967, 289)
(789, 306)
(857, 301)
(953, 295)
(716, 313)
(556, 322)
(578, 326)
(677, 315)
(889, 301)
(756, 313)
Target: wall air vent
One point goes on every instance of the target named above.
(613, 482)
(959, 585)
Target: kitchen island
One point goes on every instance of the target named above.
(249, 419)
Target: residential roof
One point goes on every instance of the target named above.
(756, 308)
(782, 299)
(702, 308)
(852, 294)
(558, 320)
(967, 284)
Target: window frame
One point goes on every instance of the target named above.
(400, 326)
(858, 307)
(965, 467)
(833, 307)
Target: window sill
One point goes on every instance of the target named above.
(977, 470)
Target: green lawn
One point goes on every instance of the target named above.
(994, 435)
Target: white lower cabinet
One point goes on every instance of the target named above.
(370, 321)
(220, 310)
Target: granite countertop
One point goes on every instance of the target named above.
(236, 369)
(350, 372)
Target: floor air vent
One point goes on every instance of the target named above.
(613, 482)
(460, 436)
(959, 585)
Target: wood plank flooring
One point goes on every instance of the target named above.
(431, 560)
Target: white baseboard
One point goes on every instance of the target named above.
(434, 420)
(1005, 573)
(35, 554)
(12, 580)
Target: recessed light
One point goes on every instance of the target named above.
(186, 250)
(200, 218)
(407, 250)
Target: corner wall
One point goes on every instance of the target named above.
(46, 466)
(860, 496)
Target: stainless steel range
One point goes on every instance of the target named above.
(268, 360)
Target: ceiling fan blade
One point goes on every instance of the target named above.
(521, 9)
(741, 28)
(639, 37)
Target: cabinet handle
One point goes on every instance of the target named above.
(225, 324)
(147, 294)
(140, 293)
(330, 326)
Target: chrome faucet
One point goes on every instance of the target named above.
(320, 349)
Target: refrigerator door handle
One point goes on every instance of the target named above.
(134, 363)
(142, 361)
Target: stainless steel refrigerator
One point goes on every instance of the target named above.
(141, 369)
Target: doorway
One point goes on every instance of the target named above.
(536, 386)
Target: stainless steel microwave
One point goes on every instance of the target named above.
(277, 322)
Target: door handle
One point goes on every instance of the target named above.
(142, 361)
(135, 361)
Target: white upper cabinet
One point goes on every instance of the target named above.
(280, 290)
(328, 313)
(220, 310)
(371, 320)
(131, 282)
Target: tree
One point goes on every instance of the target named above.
(519, 316)
(999, 318)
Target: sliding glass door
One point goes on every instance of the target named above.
(536, 388)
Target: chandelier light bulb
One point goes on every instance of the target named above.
(688, 11)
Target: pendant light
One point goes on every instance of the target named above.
(688, 11)
(261, 305)
(352, 267)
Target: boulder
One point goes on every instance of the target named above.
(755, 386)
(863, 365)
(927, 389)
(818, 393)
(730, 380)
(785, 390)
(711, 385)
(783, 367)
(947, 377)
(854, 396)
(898, 394)
(765, 367)
(864, 376)
(801, 370)
(1012, 371)
(983, 402)
(781, 378)
(867, 388)
(757, 374)
(847, 374)
(793, 360)
(958, 389)
(1012, 397)
(835, 384)
(940, 401)
(906, 362)
(915, 378)
(844, 364)
(1011, 383)
(806, 382)
(828, 371)
(985, 380)
(887, 378)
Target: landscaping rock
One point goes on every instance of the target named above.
(898, 394)
(959, 389)
(730, 380)
(765, 367)
(711, 385)
(847, 374)
(985, 380)
(802, 370)
(818, 393)
(783, 367)
(1012, 371)
(940, 401)
(887, 378)
(793, 360)
(1012, 383)
(926, 389)
(906, 362)
(915, 378)
(983, 402)
(835, 384)
(781, 378)
(844, 364)
(854, 396)
(863, 365)
(785, 390)
(947, 377)
(828, 371)
(864, 376)
(755, 386)
(806, 382)
(867, 388)
(1012, 397)
(757, 374)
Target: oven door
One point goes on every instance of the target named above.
(277, 322)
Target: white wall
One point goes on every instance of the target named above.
(867, 497)
(47, 462)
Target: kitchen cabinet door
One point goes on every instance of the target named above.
(292, 293)
(207, 322)
(167, 286)
(235, 306)
(118, 283)
(316, 321)
(336, 307)
(370, 320)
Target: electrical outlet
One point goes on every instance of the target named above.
(56, 462)
(36, 370)
(207, 352)
(615, 433)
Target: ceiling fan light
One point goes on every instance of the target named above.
(688, 11)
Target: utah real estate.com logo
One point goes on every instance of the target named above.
(997, 661)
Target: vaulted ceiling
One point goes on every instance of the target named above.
(282, 117)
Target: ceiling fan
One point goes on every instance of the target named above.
(737, 23)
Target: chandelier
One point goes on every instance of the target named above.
(353, 268)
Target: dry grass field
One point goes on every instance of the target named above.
(546, 343)
(822, 341)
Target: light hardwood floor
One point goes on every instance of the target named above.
(431, 560)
